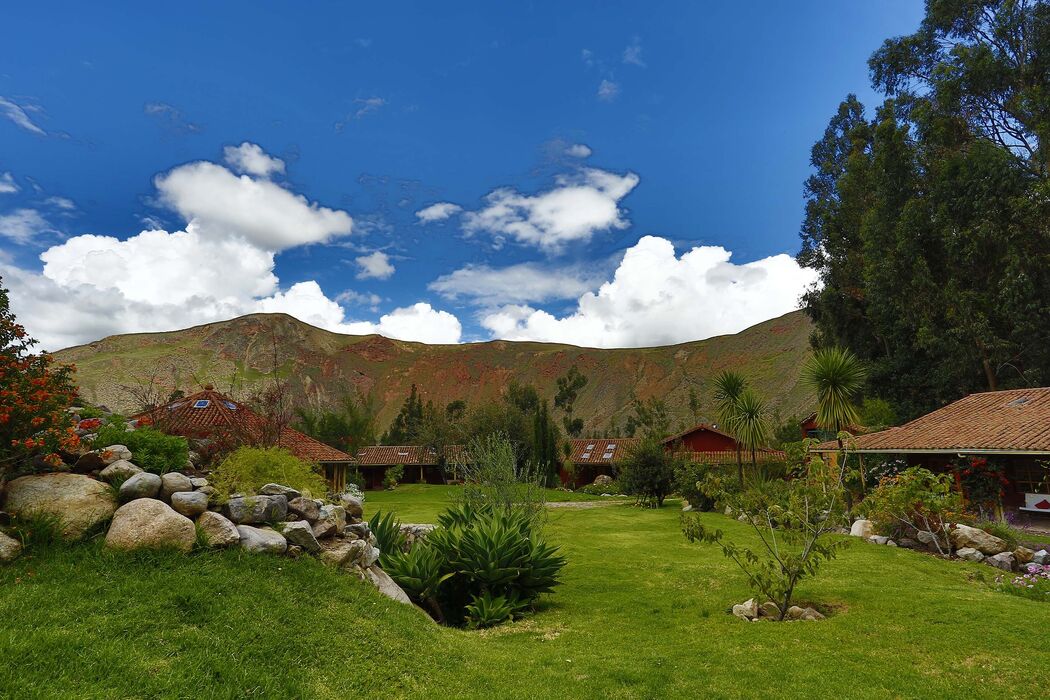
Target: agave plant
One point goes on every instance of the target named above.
(387, 530)
(487, 610)
(420, 574)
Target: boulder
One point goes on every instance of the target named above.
(251, 510)
(305, 508)
(113, 453)
(353, 505)
(79, 502)
(908, 543)
(811, 614)
(603, 480)
(878, 539)
(147, 523)
(1023, 555)
(1002, 560)
(862, 528)
(141, 485)
(264, 540)
(121, 470)
(795, 613)
(891, 543)
(385, 585)
(300, 534)
(173, 482)
(10, 548)
(198, 482)
(189, 503)
(361, 530)
(279, 490)
(331, 521)
(1041, 557)
(336, 552)
(218, 531)
(969, 554)
(748, 610)
(986, 543)
(769, 609)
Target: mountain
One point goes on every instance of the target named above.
(238, 355)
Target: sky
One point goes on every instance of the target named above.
(605, 174)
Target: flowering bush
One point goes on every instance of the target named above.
(982, 483)
(1034, 583)
(34, 396)
(913, 502)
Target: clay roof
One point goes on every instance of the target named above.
(695, 428)
(208, 411)
(599, 450)
(1013, 421)
(407, 455)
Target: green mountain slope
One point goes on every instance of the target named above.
(237, 355)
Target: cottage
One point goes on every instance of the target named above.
(1011, 427)
(591, 458)
(210, 415)
(421, 464)
(706, 443)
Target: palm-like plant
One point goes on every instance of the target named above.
(836, 375)
(729, 386)
(752, 422)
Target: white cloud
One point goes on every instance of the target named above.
(222, 204)
(63, 203)
(368, 105)
(608, 90)
(578, 150)
(657, 298)
(18, 115)
(633, 53)
(579, 206)
(438, 212)
(374, 266)
(420, 322)
(8, 184)
(23, 225)
(525, 282)
(251, 159)
(351, 296)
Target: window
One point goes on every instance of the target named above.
(585, 455)
(590, 447)
(201, 403)
(173, 406)
(230, 405)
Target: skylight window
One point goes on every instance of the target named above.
(230, 405)
(402, 454)
(201, 403)
(590, 447)
(1018, 402)
(173, 406)
(585, 455)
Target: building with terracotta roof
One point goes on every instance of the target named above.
(592, 457)
(1011, 427)
(210, 415)
(422, 465)
(706, 443)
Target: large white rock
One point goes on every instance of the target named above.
(264, 540)
(121, 470)
(382, 581)
(862, 528)
(10, 548)
(78, 501)
(147, 523)
(174, 482)
(985, 543)
(218, 531)
(748, 610)
(299, 533)
(141, 485)
(189, 503)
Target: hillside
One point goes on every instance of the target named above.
(236, 355)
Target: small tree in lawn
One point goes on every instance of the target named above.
(790, 520)
(648, 471)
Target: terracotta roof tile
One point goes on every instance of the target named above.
(407, 455)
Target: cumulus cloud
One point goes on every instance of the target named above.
(608, 90)
(580, 205)
(251, 159)
(18, 115)
(525, 282)
(438, 212)
(23, 225)
(220, 265)
(658, 298)
(374, 266)
(578, 150)
(8, 184)
(223, 204)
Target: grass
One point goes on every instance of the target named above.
(641, 614)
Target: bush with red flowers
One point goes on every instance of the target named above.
(982, 483)
(34, 396)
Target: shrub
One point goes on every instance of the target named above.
(982, 483)
(247, 469)
(151, 449)
(389, 537)
(493, 476)
(688, 477)
(648, 471)
(915, 501)
(613, 487)
(481, 566)
(392, 476)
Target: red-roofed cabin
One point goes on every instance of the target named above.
(592, 457)
(208, 414)
(706, 443)
(421, 464)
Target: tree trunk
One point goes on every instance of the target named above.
(739, 466)
(989, 373)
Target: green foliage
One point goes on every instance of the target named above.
(688, 477)
(493, 477)
(614, 487)
(729, 387)
(751, 423)
(247, 469)
(349, 427)
(487, 610)
(649, 418)
(877, 414)
(392, 476)
(389, 537)
(151, 449)
(86, 412)
(38, 531)
(914, 501)
(791, 521)
(408, 423)
(648, 471)
(570, 385)
(836, 376)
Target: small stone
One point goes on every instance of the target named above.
(189, 503)
(908, 543)
(305, 508)
(795, 613)
(862, 528)
(969, 554)
(331, 521)
(878, 539)
(1023, 555)
(173, 482)
(337, 553)
(121, 470)
(10, 548)
(769, 609)
(811, 614)
(279, 490)
(360, 530)
(198, 482)
(1002, 560)
(147, 523)
(891, 543)
(300, 534)
(1041, 557)
(748, 610)
(262, 540)
(257, 509)
(141, 485)
(218, 530)
(113, 453)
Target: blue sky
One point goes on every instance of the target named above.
(273, 148)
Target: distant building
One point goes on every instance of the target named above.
(593, 457)
(706, 443)
(210, 415)
(422, 464)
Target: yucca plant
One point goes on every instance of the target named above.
(752, 422)
(836, 375)
(729, 387)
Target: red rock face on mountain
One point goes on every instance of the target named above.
(239, 354)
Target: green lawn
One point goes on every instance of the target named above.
(641, 614)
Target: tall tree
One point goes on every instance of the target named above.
(405, 428)
(752, 423)
(729, 388)
(570, 385)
